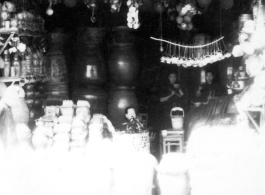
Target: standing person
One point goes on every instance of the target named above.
(209, 90)
(171, 95)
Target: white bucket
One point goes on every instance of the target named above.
(177, 121)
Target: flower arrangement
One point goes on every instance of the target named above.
(252, 44)
(182, 13)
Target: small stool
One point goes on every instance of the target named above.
(172, 139)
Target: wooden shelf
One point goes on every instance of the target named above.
(8, 31)
(254, 109)
(9, 79)
(22, 32)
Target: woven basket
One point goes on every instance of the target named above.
(139, 142)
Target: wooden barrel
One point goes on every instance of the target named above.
(91, 61)
(123, 62)
(120, 98)
(96, 96)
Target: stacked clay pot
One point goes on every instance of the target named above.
(123, 66)
(56, 68)
(90, 70)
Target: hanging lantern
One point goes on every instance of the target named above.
(183, 26)
(227, 4)
(187, 19)
(49, 10)
(204, 3)
(179, 19)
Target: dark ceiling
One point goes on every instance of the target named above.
(214, 21)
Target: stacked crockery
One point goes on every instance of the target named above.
(80, 126)
(43, 135)
(63, 128)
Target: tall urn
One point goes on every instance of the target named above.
(91, 60)
(123, 67)
(56, 65)
(123, 64)
(90, 69)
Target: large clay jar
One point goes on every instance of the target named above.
(120, 98)
(90, 64)
(56, 64)
(123, 62)
(96, 97)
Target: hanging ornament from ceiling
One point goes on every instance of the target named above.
(194, 55)
(92, 4)
(115, 5)
(185, 13)
(49, 10)
(182, 13)
(133, 14)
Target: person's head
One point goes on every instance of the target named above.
(130, 112)
(209, 77)
(172, 77)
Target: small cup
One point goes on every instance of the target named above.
(164, 133)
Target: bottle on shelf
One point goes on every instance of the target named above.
(36, 65)
(29, 64)
(16, 65)
(23, 68)
(12, 70)
(7, 64)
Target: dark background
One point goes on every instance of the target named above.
(214, 21)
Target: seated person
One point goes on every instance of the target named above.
(131, 118)
(209, 90)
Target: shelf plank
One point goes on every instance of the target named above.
(9, 79)
(8, 31)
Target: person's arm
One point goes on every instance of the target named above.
(199, 91)
(181, 92)
(164, 99)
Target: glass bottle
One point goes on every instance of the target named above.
(36, 65)
(16, 65)
(241, 73)
(7, 64)
(29, 65)
(23, 69)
